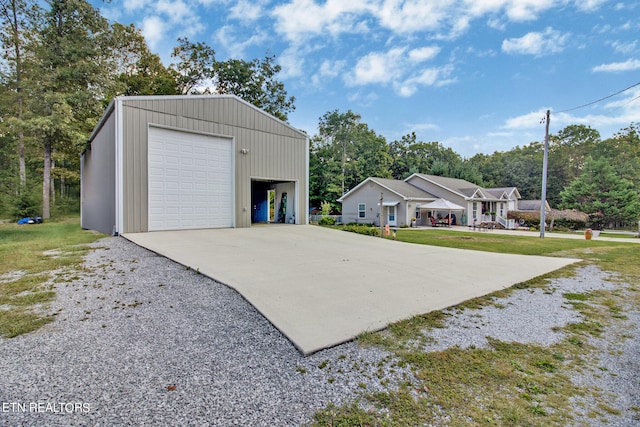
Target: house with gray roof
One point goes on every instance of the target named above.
(397, 202)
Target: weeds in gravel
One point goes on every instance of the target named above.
(28, 256)
(507, 383)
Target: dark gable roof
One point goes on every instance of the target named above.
(507, 190)
(403, 188)
(530, 205)
(496, 192)
(461, 186)
(455, 184)
(466, 188)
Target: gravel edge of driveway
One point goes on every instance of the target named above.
(142, 340)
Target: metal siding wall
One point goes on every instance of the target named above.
(275, 150)
(99, 181)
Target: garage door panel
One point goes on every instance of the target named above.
(190, 180)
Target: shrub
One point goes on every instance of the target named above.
(327, 220)
(325, 208)
(362, 229)
(24, 206)
(530, 219)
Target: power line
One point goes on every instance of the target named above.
(598, 100)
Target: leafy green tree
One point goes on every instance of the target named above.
(71, 77)
(323, 170)
(17, 18)
(255, 82)
(519, 167)
(602, 193)
(358, 150)
(195, 67)
(410, 156)
(568, 150)
(623, 151)
(136, 70)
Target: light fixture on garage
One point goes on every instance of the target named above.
(244, 151)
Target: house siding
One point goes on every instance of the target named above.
(369, 194)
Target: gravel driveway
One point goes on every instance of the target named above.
(140, 340)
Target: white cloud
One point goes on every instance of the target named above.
(514, 10)
(397, 67)
(153, 28)
(176, 11)
(292, 62)
(133, 5)
(364, 100)
(526, 121)
(527, 10)
(629, 65)
(300, 19)
(615, 114)
(535, 43)
(414, 15)
(235, 46)
(328, 70)
(428, 77)
(423, 53)
(624, 48)
(421, 127)
(589, 5)
(378, 67)
(247, 10)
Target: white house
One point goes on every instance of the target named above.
(398, 202)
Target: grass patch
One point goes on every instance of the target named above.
(507, 383)
(500, 243)
(35, 251)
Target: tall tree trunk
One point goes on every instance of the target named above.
(23, 167)
(52, 189)
(46, 179)
(11, 12)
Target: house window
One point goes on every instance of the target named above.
(417, 215)
(362, 210)
(475, 211)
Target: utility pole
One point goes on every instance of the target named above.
(344, 161)
(380, 216)
(543, 201)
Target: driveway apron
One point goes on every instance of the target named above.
(322, 287)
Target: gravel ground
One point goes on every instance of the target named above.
(140, 340)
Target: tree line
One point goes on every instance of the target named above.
(585, 172)
(62, 63)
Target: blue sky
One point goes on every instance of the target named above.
(475, 75)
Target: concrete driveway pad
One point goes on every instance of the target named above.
(321, 287)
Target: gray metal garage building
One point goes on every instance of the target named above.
(188, 162)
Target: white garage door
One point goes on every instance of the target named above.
(190, 180)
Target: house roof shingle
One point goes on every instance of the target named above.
(403, 188)
(469, 189)
(531, 205)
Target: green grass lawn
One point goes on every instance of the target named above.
(31, 257)
(507, 384)
(502, 243)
